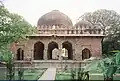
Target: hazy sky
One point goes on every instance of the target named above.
(32, 10)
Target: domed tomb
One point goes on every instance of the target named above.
(56, 18)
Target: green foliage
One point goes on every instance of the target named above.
(8, 60)
(83, 75)
(80, 74)
(111, 70)
(108, 66)
(118, 58)
(73, 74)
(6, 55)
(111, 44)
(12, 27)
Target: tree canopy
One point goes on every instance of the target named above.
(109, 22)
(12, 27)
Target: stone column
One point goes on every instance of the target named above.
(79, 55)
(32, 54)
(74, 51)
(45, 51)
(29, 55)
(45, 54)
(60, 51)
(60, 54)
(32, 57)
(73, 55)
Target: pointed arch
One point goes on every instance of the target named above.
(86, 54)
(67, 45)
(20, 54)
(52, 45)
(38, 50)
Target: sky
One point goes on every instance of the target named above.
(32, 10)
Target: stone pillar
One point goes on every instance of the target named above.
(80, 56)
(60, 51)
(45, 54)
(77, 53)
(32, 54)
(45, 51)
(73, 56)
(60, 54)
(29, 55)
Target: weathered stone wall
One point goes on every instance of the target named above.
(53, 63)
(78, 44)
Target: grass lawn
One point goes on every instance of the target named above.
(63, 76)
(34, 75)
(66, 75)
(92, 77)
(28, 75)
(100, 77)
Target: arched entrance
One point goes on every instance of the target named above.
(38, 51)
(51, 46)
(68, 46)
(86, 54)
(20, 54)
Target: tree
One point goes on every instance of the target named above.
(109, 22)
(105, 19)
(12, 28)
(6, 58)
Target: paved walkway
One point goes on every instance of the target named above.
(49, 74)
(102, 74)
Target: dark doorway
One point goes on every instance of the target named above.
(38, 51)
(67, 45)
(52, 45)
(20, 54)
(86, 54)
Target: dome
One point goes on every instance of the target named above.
(87, 27)
(85, 24)
(55, 17)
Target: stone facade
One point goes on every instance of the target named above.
(78, 44)
(82, 40)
